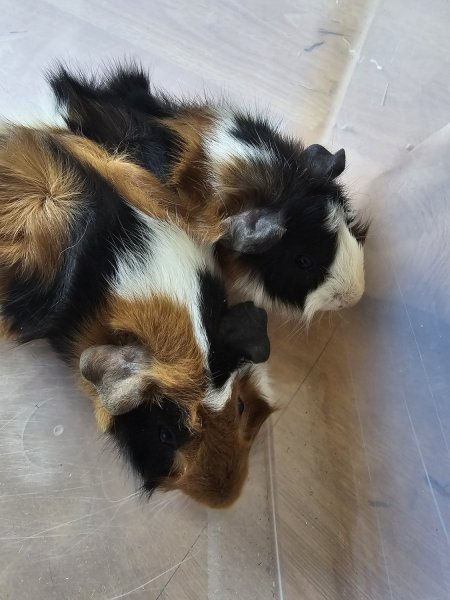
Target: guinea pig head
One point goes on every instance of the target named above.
(209, 461)
(213, 466)
(169, 412)
(293, 239)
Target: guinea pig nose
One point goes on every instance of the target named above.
(349, 301)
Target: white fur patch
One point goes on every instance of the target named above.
(217, 398)
(344, 284)
(250, 287)
(167, 264)
(334, 219)
(260, 377)
(223, 147)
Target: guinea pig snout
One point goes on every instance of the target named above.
(352, 299)
(346, 299)
(337, 302)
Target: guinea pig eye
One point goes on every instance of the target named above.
(167, 436)
(241, 406)
(304, 262)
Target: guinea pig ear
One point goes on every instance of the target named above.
(244, 330)
(253, 231)
(117, 372)
(325, 164)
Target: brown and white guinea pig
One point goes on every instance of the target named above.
(89, 260)
(292, 239)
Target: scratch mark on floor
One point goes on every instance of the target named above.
(140, 587)
(313, 46)
(383, 99)
(184, 558)
(64, 524)
(13, 418)
(330, 32)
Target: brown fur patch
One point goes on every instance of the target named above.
(241, 184)
(213, 190)
(240, 179)
(134, 184)
(213, 467)
(141, 188)
(4, 330)
(230, 264)
(191, 173)
(164, 328)
(39, 198)
(102, 416)
(188, 173)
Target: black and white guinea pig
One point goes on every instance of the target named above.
(292, 241)
(89, 260)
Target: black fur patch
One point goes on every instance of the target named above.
(213, 306)
(259, 132)
(359, 230)
(120, 113)
(149, 437)
(236, 335)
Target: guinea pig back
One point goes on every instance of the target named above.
(291, 239)
(90, 260)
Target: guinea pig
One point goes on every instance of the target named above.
(291, 237)
(90, 260)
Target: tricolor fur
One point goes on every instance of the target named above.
(291, 239)
(90, 260)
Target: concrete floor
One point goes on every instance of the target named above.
(349, 492)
